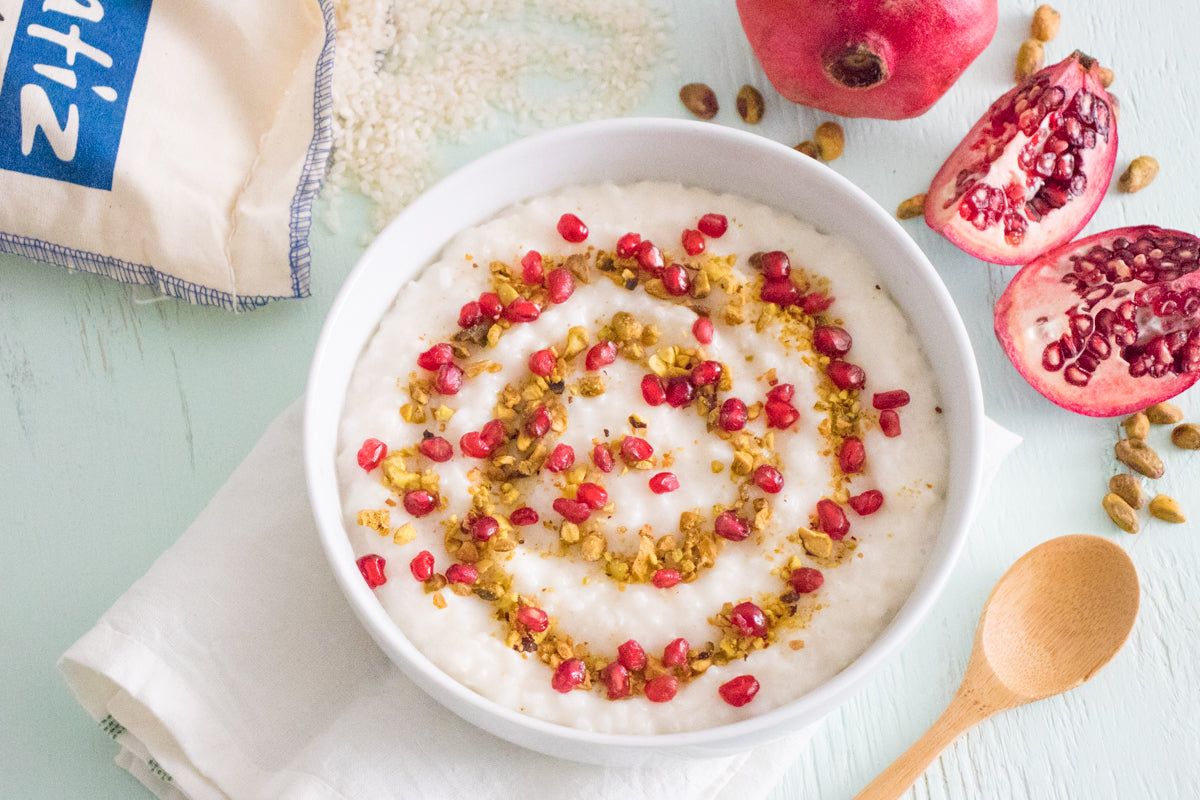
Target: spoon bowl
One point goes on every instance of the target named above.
(1059, 614)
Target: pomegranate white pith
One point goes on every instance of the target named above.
(1032, 171)
(860, 596)
(1109, 324)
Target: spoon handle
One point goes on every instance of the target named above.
(964, 712)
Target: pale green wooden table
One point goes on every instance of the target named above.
(119, 419)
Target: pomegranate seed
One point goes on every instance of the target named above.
(676, 652)
(602, 457)
(560, 285)
(739, 691)
(631, 656)
(538, 424)
(531, 268)
(749, 619)
(815, 303)
(371, 453)
(568, 675)
(884, 401)
(832, 341)
(661, 689)
(702, 329)
(676, 281)
(421, 565)
(866, 503)
(435, 356)
(561, 458)
(852, 455)
(693, 242)
(448, 380)
(806, 579)
(732, 416)
(680, 391)
(435, 448)
(782, 292)
(664, 482)
(522, 311)
(462, 573)
(634, 449)
(705, 373)
(652, 389)
(523, 516)
(665, 578)
(490, 305)
(572, 510)
(783, 393)
(371, 568)
(419, 502)
(484, 528)
(846, 376)
(592, 495)
(600, 355)
(533, 618)
(775, 265)
(571, 228)
(493, 434)
(616, 680)
(542, 363)
(889, 423)
(713, 225)
(769, 479)
(780, 415)
(650, 258)
(470, 315)
(472, 445)
(728, 525)
(832, 519)
(627, 245)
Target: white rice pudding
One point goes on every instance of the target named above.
(596, 592)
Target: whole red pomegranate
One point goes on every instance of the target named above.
(1033, 169)
(887, 59)
(1109, 324)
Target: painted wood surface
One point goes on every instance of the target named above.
(120, 416)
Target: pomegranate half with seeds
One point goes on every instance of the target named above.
(1033, 170)
(1109, 324)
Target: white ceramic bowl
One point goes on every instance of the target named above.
(710, 157)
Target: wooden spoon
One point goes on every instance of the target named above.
(1059, 614)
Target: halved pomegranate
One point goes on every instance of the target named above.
(1032, 171)
(1109, 324)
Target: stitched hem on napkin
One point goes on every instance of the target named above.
(119, 678)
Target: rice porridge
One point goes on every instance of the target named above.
(642, 459)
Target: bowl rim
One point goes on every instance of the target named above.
(320, 446)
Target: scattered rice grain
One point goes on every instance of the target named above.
(415, 76)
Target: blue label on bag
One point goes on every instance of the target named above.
(66, 87)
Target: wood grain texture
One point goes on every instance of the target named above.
(1055, 617)
(120, 418)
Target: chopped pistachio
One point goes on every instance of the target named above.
(507, 293)
(577, 341)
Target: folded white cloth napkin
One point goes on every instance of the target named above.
(235, 669)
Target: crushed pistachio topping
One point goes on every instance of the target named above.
(716, 290)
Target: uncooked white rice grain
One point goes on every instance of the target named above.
(412, 75)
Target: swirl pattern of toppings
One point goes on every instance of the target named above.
(520, 448)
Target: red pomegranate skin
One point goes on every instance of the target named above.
(1108, 324)
(886, 59)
